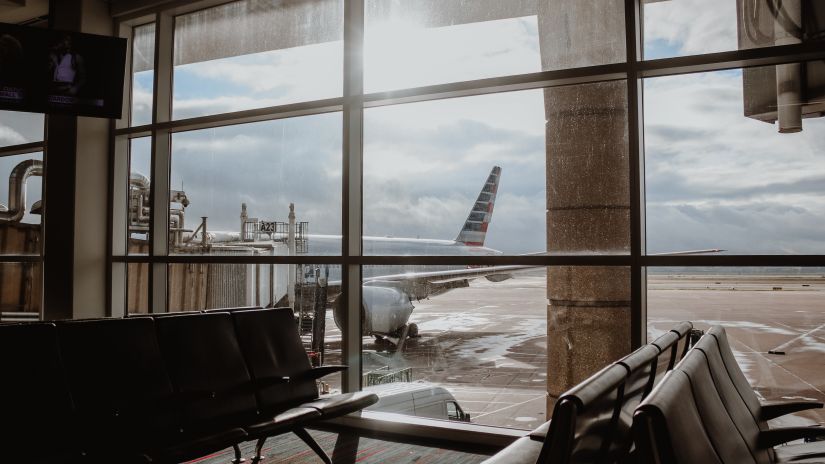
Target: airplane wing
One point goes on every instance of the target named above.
(423, 284)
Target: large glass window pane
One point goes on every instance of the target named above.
(244, 182)
(21, 291)
(468, 348)
(20, 205)
(252, 54)
(412, 43)
(720, 172)
(434, 171)
(140, 185)
(311, 290)
(773, 318)
(137, 288)
(513, 173)
(17, 128)
(689, 27)
(143, 73)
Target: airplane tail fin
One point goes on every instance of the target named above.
(475, 227)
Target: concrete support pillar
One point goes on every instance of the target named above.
(588, 192)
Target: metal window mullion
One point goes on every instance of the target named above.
(352, 192)
(119, 189)
(161, 158)
(633, 31)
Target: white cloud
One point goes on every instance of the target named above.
(9, 136)
(278, 77)
(716, 178)
(692, 26)
(401, 54)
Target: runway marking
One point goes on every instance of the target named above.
(511, 406)
(789, 342)
(769, 360)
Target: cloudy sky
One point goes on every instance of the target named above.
(714, 178)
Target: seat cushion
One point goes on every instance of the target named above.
(345, 403)
(807, 453)
(522, 451)
(283, 422)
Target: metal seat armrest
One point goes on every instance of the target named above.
(777, 409)
(317, 372)
(777, 436)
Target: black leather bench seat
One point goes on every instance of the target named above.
(705, 411)
(149, 390)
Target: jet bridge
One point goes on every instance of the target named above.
(788, 93)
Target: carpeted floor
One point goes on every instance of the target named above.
(346, 448)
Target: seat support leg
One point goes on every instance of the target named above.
(259, 447)
(238, 458)
(307, 438)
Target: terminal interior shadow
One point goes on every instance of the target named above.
(350, 447)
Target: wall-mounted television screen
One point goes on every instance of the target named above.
(49, 71)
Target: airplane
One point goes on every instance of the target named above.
(388, 296)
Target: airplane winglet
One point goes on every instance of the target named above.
(474, 230)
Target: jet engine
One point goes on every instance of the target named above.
(385, 310)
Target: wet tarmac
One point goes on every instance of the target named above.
(487, 343)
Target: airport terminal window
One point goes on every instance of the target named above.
(447, 169)
(251, 54)
(773, 317)
(244, 181)
(143, 75)
(504, 173)
(720, 175)
(476, 341)
(465, 317)
(689, 27)
(21, 167)
(140, 188)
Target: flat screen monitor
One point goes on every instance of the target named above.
(49, 71)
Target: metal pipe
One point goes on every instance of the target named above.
(788, 31)
(17, 189)
(138, 180)
(291, 247)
